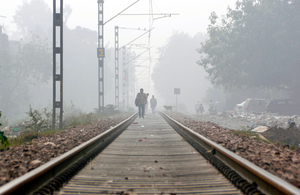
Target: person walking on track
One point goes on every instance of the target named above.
(146, 105)
(201, 109)
(140, 101)
(153, 104)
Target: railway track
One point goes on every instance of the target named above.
(150, 157)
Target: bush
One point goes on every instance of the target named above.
(75, 116)
(39, 120)
(3, 139)
(109, 110)
(40, 123)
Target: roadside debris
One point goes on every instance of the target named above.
(246, 121)
(260, 129)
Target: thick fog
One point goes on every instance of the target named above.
(26, 56)
(178, 69)
(80, 66)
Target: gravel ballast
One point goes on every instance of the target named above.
(277, 159)
(16, 161)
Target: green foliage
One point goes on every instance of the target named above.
(74, 116)
(24, 138)
(37, 122)
(255, 45)
(3, 139)
(249, 134)
(41, 121)
(109, 109)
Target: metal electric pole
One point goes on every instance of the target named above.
(117, 58)
(101, 55)
(127, 81)
(57, 67)
(124, 77)
(117, 67)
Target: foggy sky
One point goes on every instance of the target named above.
(193, 16)
(193, 19)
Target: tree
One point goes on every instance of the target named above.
(30, 66)
(34, 17)
(255, 45)
(80, 61)
(178, 69)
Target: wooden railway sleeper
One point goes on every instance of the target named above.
(65, 176)
(75, 168)
(242, 184)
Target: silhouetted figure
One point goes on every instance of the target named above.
(197, 106)
(146, 105)
(153, 104)
(141, 100)
(168, 108)
(201, 109)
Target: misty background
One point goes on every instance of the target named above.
(223, 51)
(21, 87)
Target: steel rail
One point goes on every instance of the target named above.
(35, 179)
(266, 182)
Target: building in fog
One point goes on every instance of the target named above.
(4, 43)
(7, 47)
(3, 48)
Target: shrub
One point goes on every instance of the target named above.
(3, 139)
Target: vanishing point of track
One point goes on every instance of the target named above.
(149, 156)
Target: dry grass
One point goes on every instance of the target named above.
(249, 134)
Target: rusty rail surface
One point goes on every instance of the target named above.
(263, 180)
(37, 178)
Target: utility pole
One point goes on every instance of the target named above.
(57, 55)
(117, 67)
(124, 76)
(151, 19)
(176, 92)
(101, 55)
(125, 82)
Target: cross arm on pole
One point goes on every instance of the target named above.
(137, 38)
(133, 28)
(121, 12)
(161, 14)
(139, 55)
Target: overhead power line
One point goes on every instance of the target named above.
(121, 12)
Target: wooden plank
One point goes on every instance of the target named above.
(149, 157)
